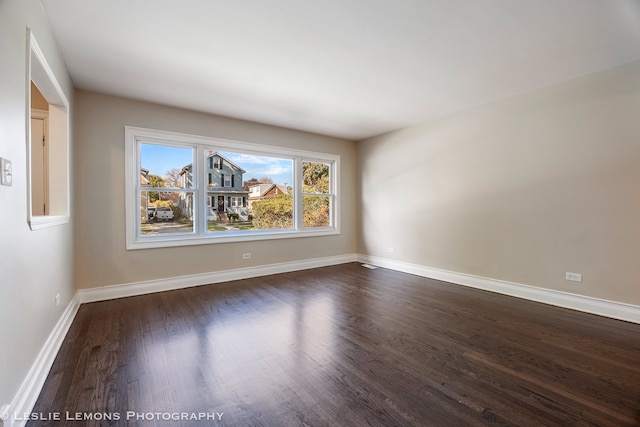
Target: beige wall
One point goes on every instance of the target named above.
(100, 231)
(37, 100)
(34, 265)
(521, 190)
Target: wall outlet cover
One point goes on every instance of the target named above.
(573, 277)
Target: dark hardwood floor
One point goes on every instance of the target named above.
(342, 346)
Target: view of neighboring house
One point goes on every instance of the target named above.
(224, 189)
(265, 191)
(144, 200)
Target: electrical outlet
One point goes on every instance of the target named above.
(573, 277)
(246, 256)
(6, 172)
(391, 250)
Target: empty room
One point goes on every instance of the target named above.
(343, 213)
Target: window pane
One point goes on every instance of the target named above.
(316, 211)
(164, 212)
(315, 177)
(165, 166)
(237, 182)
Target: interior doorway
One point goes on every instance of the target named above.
(39, 162)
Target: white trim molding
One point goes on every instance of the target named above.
(31, 387)
(199, 189)
(180, 282)
(612, 309)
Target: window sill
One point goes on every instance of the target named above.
(39, 222)
(228, 237)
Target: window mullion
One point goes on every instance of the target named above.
(297, 194)
(200, 196)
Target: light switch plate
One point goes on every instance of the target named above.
(6, 172)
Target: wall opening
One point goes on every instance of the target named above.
(47, 143)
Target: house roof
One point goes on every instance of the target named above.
(235, 166)
(187, 168)
(283, 189)
(144, 176)
(265, 188)
(351, 69)
(262, 187)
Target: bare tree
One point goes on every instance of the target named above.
(255, 181)
(172, 178)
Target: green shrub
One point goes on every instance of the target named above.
(274, 212)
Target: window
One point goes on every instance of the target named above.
(159, 195)
(316, 194)
(47, 144)
(177, 193)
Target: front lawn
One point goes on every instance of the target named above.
(187, 226)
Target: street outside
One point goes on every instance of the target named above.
(178, 227)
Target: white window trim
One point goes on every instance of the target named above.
(42, 75)
(200, 236)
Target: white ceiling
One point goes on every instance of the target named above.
(347, 68)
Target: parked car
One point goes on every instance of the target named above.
(160, 213)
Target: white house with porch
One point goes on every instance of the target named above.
(225, 195)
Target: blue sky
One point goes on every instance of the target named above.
(279, 170)
(159, 159)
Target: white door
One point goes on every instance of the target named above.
(39, 183)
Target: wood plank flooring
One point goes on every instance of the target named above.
(342, 346)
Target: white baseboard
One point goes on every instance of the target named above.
(25, 399)
(615, 310)
(32, 385)
(29, 391)
(180, 282)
